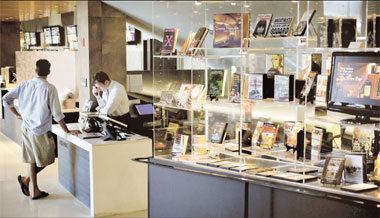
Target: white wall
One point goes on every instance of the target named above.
(62, 70)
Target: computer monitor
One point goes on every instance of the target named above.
(354, 86)
(145, 109)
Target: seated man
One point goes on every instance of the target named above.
(114, 100)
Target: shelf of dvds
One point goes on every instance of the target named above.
(254, 103)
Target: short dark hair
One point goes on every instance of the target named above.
(101, 77)
(43, 67)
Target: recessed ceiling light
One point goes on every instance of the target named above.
(247, 6)
(233, 3)
(198, 3)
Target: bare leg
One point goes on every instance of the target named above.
(26, 179)
(33, 190)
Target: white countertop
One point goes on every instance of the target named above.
(87, 144)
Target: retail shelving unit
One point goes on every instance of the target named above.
(182, 184)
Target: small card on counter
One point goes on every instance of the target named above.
(359, 187)
(303, 170)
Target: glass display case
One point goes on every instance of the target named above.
(249, 95)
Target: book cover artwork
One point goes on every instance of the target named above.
(332, 170)
(274, 64)
(169, 41)
(362, 138)
(302, 26)
(316, 143)
(235, 88)
(255, 86)
(354, 168)
(218, 131)
(281, 88)
(216, 82)
(268, 135)
(262, 25)
(257, 132)
(281, 26)
(227, 30)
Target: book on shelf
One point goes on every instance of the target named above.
(260, 171)
(291, 130)
(359, 187)
(305, 20)
(332, 170)
(294, 177)
(218, 132)
(257, 132)
(316, 143)
(268, 135)
(169, 41)
(311, 62)
(216, 82)
(283, 87)
(274, 64)
(235, 94)
(184, 94)
(309, 83)
(321, 92)
(247, 107)
(246, 29)
(199, 140)
(228, 30)
(282, 26)
(370, 31)
(186, 44)
(159, 136)
(354, 168)
(255, 86)
(171, 131)
(179, 144)
(328, 64)
(197, 41)
(333, 33)
(166, 97)
(302, 170)
(262, 25)
(196, 92)
(348, 31)
(362, 138)
(373, 31)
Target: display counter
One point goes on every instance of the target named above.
(101, 173)
(224, 193)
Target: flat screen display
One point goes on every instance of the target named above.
(72, 33)
(47, 33)
(356, 79)
(27, 38)
(55, 35)
(33, 39)
(145, 109)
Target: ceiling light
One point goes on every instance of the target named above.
(233, 3)
(198, 3)
(247, 6)
(295, 1)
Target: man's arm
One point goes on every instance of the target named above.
(56, 111)
(62, 124)
(113, 101)
(15, 112)
(9, 98)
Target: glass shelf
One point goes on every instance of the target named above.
(271, 102)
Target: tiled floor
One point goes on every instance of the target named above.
(13, 203)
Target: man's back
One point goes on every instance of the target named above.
(38, 102)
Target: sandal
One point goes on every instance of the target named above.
(42, 195)
(24, 188)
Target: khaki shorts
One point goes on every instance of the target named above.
(37, 149)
